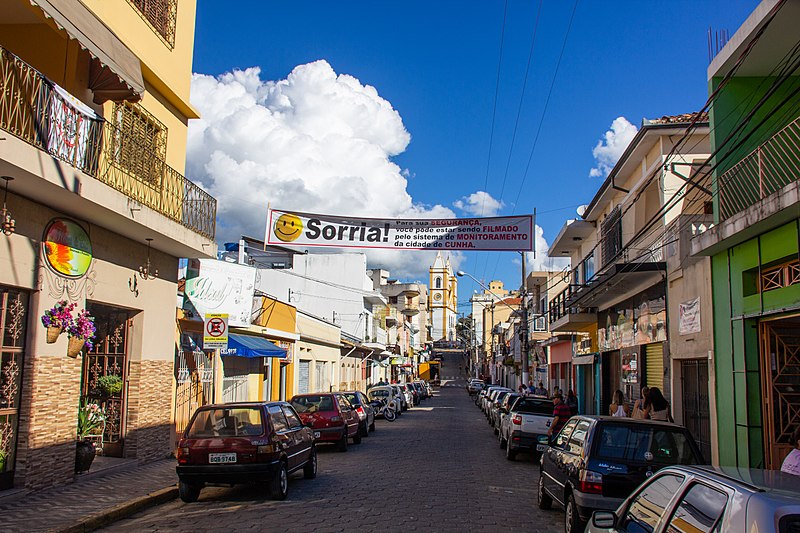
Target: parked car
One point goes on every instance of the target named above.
(385, 393)
(688, 498)
(488, 401)
(494, 408)
(421, 389)
(415, 396)
(244, 442)
(401, 395)
(505, 405)
(366, 414)
(474, 386)
(596, 462)
(331, 417)
(524, 428)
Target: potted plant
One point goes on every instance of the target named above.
(56, 319)
(109, 384)
(3, 456)
(80, 331)
(91, 423)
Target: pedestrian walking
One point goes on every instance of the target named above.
(640, 404)
(561, 414)
(658, 408)
(572, 402)
(618, 407)
(791, 465)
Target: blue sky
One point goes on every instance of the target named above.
(436, 64)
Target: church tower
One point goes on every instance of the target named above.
(443, 300)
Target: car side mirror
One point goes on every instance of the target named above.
(603, 519)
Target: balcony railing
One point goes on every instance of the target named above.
(38, 112)
(559, 308)
(766, 170)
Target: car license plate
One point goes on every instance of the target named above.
(541, 447)
(216, 458)
(316, 434)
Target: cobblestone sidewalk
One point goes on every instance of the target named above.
(91, 502)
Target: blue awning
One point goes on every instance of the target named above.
(251, 346)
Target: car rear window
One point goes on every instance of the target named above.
(620, 442)
(312, 403)
(352, 398)
(233, 422)
(379, 393)
(534, 406)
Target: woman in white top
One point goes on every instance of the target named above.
(791, 465)
(618, 407)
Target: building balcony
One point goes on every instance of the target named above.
(60, 135)
(765, 171)
(409, 309)
(562, 317)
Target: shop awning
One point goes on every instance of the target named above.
(251, 346)
(115, 72)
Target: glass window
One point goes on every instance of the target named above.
(291, 417)
(534, 406)
(622, 442)
(578, 437)
(649, 505)
(698, 511)
(278, 420)
(235, 422)
(588, 267)
(312, 403)
(563, 436)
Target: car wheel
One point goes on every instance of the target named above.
(188, 492)
(310, 470)
(342, 444)
(542, 498)
(363, 430)
(279, 484)
(510, 453)
(572, 520)
(372, 426)
(357, 437)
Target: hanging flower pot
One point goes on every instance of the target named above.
(75, 346)
(52, 333)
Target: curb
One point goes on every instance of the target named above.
(123, 510)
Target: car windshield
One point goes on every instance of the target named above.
(378, 393)
(312, 403)
(224, 422)
(664, 446)
(534, 406)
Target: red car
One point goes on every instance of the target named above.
(244, 442)
(331, 416)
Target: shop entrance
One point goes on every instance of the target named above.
(195, 379)
(105, 373)
(780, 382)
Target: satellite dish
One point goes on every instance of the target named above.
(581, 210)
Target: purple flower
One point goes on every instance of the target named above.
(82, 326)
(59, 316)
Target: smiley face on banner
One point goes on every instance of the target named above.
(288, 227)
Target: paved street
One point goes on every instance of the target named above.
(438, 467)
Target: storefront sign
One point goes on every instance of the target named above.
(215, 331)
(67, 248)
(219, 287)
(689, 317)
(306, 229)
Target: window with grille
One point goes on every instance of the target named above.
(140, 143)
(161, 15)
(611, 235)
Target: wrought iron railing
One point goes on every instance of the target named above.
(767, 169)
(160, 15)
(34, 110)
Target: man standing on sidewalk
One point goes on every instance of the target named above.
(561, 413)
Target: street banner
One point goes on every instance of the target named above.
(215, 331)
(513, 233)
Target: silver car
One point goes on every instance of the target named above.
(705, 498)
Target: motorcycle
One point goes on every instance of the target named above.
(384, 409)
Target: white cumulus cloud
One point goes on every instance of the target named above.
(317, 141)
(543, 262)
(479, 203)
(609, 149)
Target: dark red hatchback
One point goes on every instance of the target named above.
(331, 416)
(244, 443)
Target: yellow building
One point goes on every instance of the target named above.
(443, 300)
(94, 106)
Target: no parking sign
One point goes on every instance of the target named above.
(215, 331)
